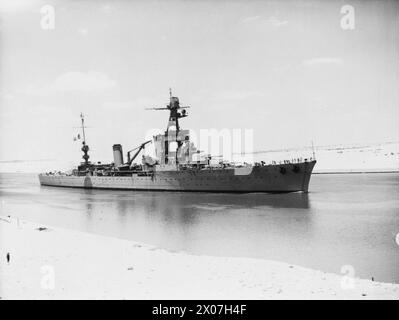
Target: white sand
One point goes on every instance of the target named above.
(88, 266)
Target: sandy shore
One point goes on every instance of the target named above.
(56, 263)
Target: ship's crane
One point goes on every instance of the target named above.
(139, 148)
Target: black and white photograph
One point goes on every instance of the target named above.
(191, 150)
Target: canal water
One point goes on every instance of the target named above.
(345, 219)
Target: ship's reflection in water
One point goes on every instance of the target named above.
(344, 220)
(252, 225)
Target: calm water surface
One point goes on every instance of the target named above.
(348, 219)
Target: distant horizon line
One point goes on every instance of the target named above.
(316, 147)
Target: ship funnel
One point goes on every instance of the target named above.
(118, 155)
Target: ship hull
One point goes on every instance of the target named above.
(271, 178)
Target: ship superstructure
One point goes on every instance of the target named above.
(174, 168)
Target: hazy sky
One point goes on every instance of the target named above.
(285, 69)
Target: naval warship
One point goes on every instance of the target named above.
(177, 170)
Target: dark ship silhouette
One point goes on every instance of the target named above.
(177, 171)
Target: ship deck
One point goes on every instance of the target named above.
(288, 177)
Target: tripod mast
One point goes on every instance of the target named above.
(174, 108)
